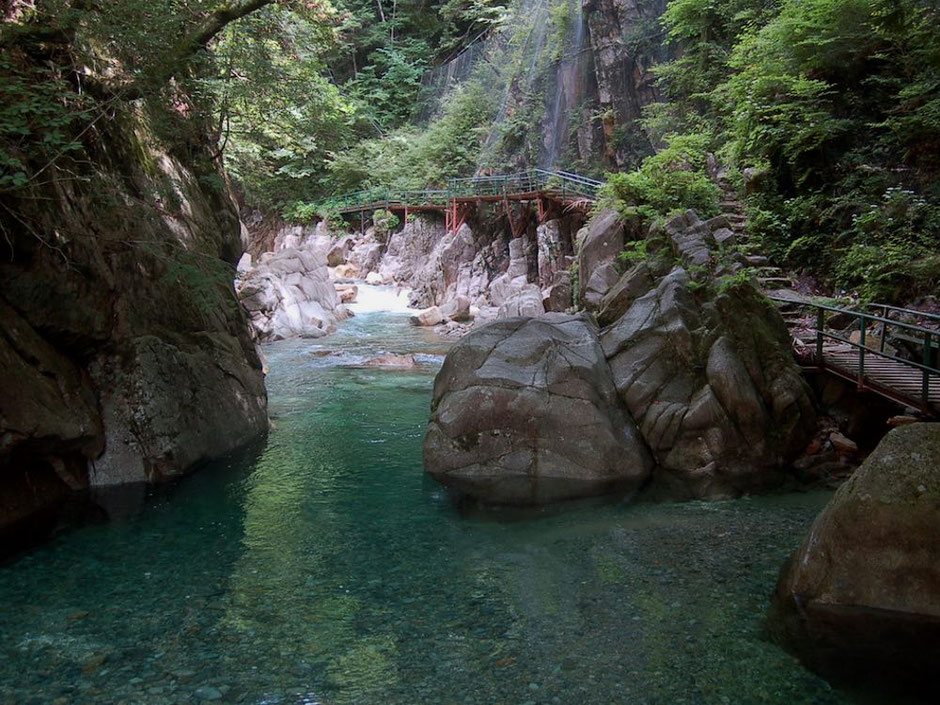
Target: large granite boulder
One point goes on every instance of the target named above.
(525, 412)
(712, 387)
(289, 293)
(409, 250)
(598, 243)
(704, 368)
(860, 599)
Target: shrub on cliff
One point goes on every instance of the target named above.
(672, 180)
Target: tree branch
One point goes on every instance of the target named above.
(199, 38)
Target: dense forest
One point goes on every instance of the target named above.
(825, 112)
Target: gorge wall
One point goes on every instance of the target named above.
(125, 355)
(487, 269)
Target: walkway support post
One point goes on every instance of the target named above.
(861, 354)
(820, 324)
(925, 384)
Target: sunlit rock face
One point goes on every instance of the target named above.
(525, 412)
(289, 293)
(860, 599)
(702, 374)
(125, 355)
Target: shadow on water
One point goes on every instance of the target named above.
(326, 567)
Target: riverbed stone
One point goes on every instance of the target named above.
(860, 599)
(428, 317)
(525, 412)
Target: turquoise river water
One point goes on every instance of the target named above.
(324, 567)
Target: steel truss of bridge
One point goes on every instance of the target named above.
(550, 190)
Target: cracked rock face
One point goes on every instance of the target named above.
(289, 292)
(698, 378)
(525, 412)
(124, 354)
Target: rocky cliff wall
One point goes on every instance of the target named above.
(125, 355)
(625, 41)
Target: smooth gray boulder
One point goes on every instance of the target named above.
(713, 388)
(289, 294)
(598, 244)
(860, 599)
(527, 301)
(525, 412)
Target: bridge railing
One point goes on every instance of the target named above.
(530, 181)
(873, 334)
(558, 183)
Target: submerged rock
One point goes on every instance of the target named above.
(390, 360)
(860, 599)
(525, 412)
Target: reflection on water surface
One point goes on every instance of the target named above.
(325, 567)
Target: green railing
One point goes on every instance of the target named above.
(874, 332)
(557, 183)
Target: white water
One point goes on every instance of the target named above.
(384, 299)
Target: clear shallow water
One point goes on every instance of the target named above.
(324, 567)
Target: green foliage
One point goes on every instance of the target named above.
(40, 114)
(838, 101)
(280, 115)
(385, 221)
(411, 159)
(633, 253)
(729, 282)
(670, 181)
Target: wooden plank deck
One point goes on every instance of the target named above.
(890, 378)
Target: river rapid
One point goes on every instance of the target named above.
(323, 566)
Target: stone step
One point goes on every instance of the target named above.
(775, 282)
(769, 271)
(758, 260)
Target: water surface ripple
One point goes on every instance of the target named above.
(324, 567)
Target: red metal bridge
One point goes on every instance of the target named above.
(550, 191)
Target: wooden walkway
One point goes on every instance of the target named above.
(891, 379)
(548, 189)
(861, 351)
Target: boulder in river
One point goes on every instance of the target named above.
(525, 412)
(289, 293)
(702, 369)
(860, 599)
(391, 360)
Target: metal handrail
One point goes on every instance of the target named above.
(926, 368)
(912, 311)
(859, 314)
(529, 181)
